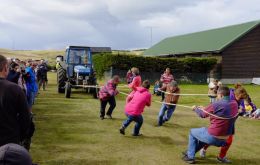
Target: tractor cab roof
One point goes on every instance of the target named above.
(92, 49)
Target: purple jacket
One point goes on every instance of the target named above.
(225, 108)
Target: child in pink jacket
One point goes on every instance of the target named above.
(136, 82)
(135, 104)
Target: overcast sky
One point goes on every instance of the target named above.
(120, 24)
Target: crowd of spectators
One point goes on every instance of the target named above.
(20, 82)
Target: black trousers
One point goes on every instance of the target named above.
(103, 103)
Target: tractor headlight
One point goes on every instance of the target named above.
(80, 77)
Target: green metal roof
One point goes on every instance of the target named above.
(214, 40)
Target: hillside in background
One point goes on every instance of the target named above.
(49, 55)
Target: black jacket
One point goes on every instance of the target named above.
(14, 113)
(13, 76)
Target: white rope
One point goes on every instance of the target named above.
(96, 86)
(173, 104)
(219, 117)
(122, 86)
(123, 93)
(185, 106)
(181, 94)
(87, 86)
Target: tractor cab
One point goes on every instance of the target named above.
(79, 64)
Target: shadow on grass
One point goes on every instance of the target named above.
(163, 139)
(80, 162)
(236, 161)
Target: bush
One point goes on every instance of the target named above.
(103, 62)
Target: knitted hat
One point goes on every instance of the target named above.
(14, 154)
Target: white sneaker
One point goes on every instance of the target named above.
(202, 153)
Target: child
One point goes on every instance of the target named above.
(156, 87)
(135, 103)
(136, 80)
(129, 76)
(171, 89)
(166, 78)
(212, 92)
(249, 107)
(107, 95)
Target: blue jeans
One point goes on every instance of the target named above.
(139, 122)
(30, 98)
(198, 138)
(165, 117)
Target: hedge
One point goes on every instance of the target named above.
(103, 62)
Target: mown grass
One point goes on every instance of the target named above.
(69, 131)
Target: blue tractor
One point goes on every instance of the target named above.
(75, 69)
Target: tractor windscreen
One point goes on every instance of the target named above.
(78, 56)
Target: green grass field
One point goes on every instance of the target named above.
(69, 131)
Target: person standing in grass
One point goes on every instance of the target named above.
(107, 95)
(42, 75)
(31, 84)
(212, 92)
(135, 104)
(170, 98)
(166, 78)
(14, 73)
(222, 114)
(129, 76)
(14, 111)
(137, 81)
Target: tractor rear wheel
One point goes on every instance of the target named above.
(61, 79)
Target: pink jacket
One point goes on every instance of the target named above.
(135, 83)
(108, 91)
(137, 100)
(166, 79)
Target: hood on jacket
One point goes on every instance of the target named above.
(141, 89)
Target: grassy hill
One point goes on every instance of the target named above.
(49, 55)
